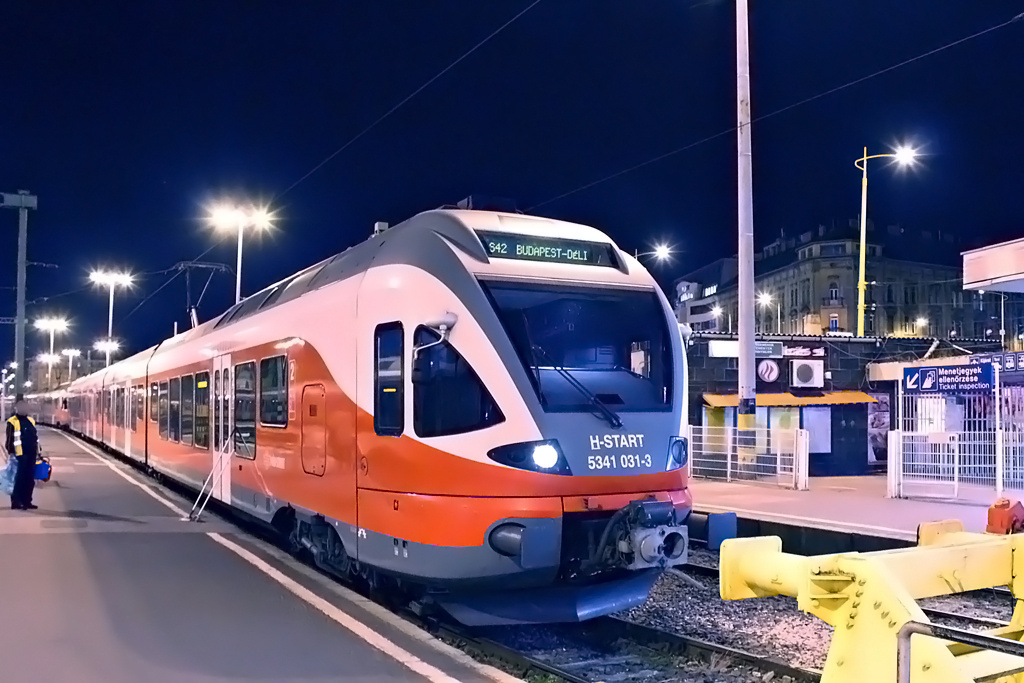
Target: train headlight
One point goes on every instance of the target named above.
(545, 456)
(538, 456)
(678, 453)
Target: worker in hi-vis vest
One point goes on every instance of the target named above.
(23, 443)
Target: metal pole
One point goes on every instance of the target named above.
(1002, 321)
(110, 315)
(71, 359)
(19, 327)
(861, 284)
(745, 254)
(49, 360)
(238, 267)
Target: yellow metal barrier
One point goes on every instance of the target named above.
(868, 597)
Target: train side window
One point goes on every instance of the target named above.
(245, 410)
(129, 409)
(162, 410)
(274, 391)
(202, 410)
(174, 415)
(388, 380)
(187, 388)
(154, 393)
(448, 396)
(140, 403)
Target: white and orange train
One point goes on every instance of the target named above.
(483, 408)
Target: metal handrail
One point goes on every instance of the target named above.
(956, 635)
(216, 471)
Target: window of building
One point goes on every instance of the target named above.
(202, 410)
(187, 398)
(154, 393)
(793, 297)
(869, 323)
(833, 322)
(890, 294)
(274, 391)
(388, 380)
(174, 414)
(448, 397)
(958, 299)
(833, 291)
(910, 295)
(245, 410)
(162, 410)
(710, 290)
(832, 250)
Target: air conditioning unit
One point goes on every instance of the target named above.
(807, 374)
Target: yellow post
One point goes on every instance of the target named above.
(861, 283)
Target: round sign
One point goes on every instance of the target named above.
(768, 370)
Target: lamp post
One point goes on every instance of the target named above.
(765, 299)
(53, 326)
(904, 156)
(49, 359)
(106, 346)
(72, 354)
(716, 312)
(112, 281)
(229, 217)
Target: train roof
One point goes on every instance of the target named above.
(458, 227)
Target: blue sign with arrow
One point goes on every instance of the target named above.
(950, 379)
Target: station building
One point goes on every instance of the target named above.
(830, 386)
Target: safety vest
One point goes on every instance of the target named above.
(17, 432)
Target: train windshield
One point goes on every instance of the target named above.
(613, 343)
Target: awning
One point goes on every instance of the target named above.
(830, 398)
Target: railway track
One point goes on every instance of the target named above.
(611, 649)
(937, 615)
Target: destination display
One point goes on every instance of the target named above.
(550, 249)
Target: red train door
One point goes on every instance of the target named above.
(313, 425)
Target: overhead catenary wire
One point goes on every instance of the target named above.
(789, 107)
(413, 94)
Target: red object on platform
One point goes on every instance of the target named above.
(1005, 517)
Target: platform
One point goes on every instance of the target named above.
(852, 504)
(106, 582)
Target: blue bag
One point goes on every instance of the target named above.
(43, 470)
(7, 476)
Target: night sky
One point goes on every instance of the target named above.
(127, 118)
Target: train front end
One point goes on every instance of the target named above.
(593, 350)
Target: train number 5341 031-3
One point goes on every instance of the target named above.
(626, 460)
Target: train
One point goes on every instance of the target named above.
(482, 409)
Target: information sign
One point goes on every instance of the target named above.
(950, 379)
(550, 249)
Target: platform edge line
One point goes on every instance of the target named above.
(364, 632)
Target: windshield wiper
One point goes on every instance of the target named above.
(605, 411)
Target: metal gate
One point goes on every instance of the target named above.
(949, 436)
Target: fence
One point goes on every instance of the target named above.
(967, 447)
(773, 456)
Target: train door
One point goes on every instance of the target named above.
(127, 409)
(313, 425)
(222, 444)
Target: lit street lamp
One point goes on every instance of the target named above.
(230, 217)
(72, 354)
(53, 326)
(107, 346)
(49, 359)
(662, 252)
(765, 299)
(112, 281)
(904, 156)
(716, 312)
